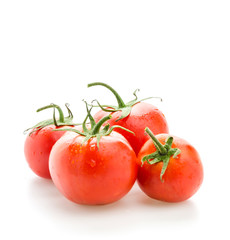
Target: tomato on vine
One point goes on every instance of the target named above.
(41, 139)
(93, 165)
(134, 115)
(170, 168)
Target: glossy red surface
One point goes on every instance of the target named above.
(86, 175)
(141, 116)
(182, 177)
(37, 149)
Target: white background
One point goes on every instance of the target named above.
(178, 50)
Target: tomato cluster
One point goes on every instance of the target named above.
(98, 161)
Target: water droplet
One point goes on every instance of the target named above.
(92, 147)
(92, 163)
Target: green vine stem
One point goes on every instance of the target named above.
(97, 127)
(95, 130)
(163, 153)
(157, 144)
(61, 115)
(61, 121)
(120, 102)
(124, 108)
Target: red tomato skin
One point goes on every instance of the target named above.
(37, 149)
(85, 175)
(141, 116)
(182, 178)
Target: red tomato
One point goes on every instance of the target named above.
(183, 175)
(41, 139)
(141, 115)
(93, 165)
(135, 116)
(37, 149)
(86, 175)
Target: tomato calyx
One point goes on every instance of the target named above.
(162, 153)
(125, 108)
(95, 128)
(61, 121)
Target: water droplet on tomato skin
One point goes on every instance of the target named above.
(74, 149)
(92, 163)
(92, 148)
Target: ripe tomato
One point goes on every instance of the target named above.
(37, 149)
(135, 116)
(41, 139)
(94, 166)
(166, 177)
(141, 115)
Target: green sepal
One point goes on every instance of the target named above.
(163, 153)
(125, 108)
(71, 130)
(95, 131)
(117, 126)
(62, 121)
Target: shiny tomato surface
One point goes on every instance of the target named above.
(37, 149)
(87, 175)
(182, 177)
(141, 116)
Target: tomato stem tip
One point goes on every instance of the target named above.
(163, 153)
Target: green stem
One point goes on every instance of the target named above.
(156, 142)
(97, 127)
(120, 102)
(69, 111)
(92, 121)
(61, 115)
